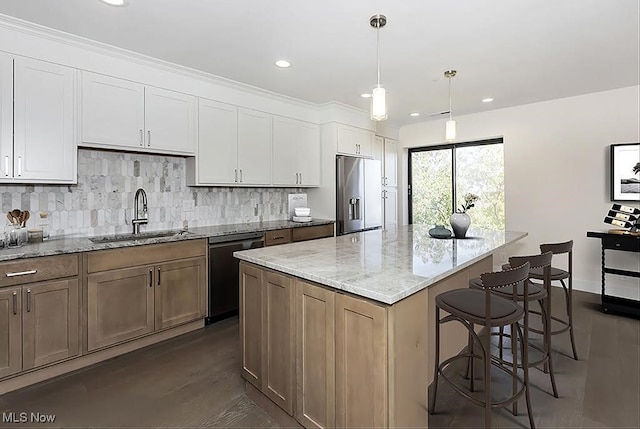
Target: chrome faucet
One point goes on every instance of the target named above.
(137, 219)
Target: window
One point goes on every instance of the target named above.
(440, 176)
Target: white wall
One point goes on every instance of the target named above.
(556, 173)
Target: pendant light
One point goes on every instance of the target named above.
(378, 95)
(450, 127)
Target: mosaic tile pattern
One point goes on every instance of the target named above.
(102, 201)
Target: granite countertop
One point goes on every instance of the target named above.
(76, 244)
(385, 266)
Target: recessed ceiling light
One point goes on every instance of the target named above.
(487, 100)
(414, 114)
(116, 2)
(366, 95)
(283, 64)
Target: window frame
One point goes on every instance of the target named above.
(453, 147)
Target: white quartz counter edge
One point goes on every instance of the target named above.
(364, 292)
(77, 244)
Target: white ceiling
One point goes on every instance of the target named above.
(517, 52)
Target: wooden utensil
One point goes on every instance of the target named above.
(16, 216)
(25, 217)
(10, 217)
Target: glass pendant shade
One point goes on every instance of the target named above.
(450, 130)
(379, 104)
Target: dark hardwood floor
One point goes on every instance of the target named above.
(194, 381)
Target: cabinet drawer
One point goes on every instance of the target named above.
(103, 260)
(38, 269)
(311, 232)
(279, 236)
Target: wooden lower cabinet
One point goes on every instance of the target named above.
(38, 324)
(361, 363)
(10, 331)
(251, 323)
(278, 351)
(126, 303)
(120, 305)
(180, 292)
(49, 322)
(315, 356)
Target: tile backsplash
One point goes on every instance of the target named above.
(102, 201)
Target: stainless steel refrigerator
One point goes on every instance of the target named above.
(359, 194)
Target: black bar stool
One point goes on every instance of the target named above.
(536, 292)
(482, 307)
(558, 274)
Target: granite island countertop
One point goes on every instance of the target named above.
(385, 266)
(76, 244)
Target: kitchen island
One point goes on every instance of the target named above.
(339, 332)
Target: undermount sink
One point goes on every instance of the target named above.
(137, 237)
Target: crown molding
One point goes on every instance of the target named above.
(37, 30)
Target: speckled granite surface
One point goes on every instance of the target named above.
(74, 244)
(386, 266)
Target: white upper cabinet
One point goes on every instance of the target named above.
(355, 141)
(119, 114)
(217, 159)
(170, 121)
(6, 116)
(296, 153)
(254, 147)
(112, 112)
(390, 172)
(43, 148)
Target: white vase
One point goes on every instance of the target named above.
(460, 223)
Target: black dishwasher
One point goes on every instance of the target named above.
(224, 272)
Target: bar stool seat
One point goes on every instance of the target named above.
(470, 305)
(556, 274)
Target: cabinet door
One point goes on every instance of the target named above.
(378, 149)
(254, 147)
(309, 154)
(44, 146)
(170, 120)
(347, 140)
(390, 162)
(390, 207)
(112, 112)
(278, 351)
(251, 323)
(50, 322)
(355, 141)
(296, 152)
(6, 116)
(315, 357)
(180, 292)
(120, 305)
(217, 143)
(286, 145)
(361, 363)
(10, 331)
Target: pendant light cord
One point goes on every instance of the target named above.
(450, 98)
(378, 49)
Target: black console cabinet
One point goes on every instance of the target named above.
(626, 243)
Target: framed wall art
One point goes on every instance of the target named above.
(625, 172)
